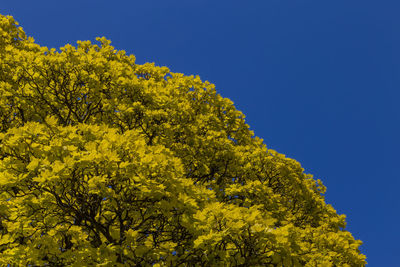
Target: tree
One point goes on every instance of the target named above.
(107, 162)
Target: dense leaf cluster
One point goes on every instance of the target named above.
(107, 162)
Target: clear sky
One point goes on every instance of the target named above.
(317, 80)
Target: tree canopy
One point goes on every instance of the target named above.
(107, 162)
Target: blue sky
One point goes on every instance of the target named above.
(317, 80)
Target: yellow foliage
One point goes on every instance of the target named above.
(110, 163)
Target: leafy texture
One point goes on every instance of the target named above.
(107, 162)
